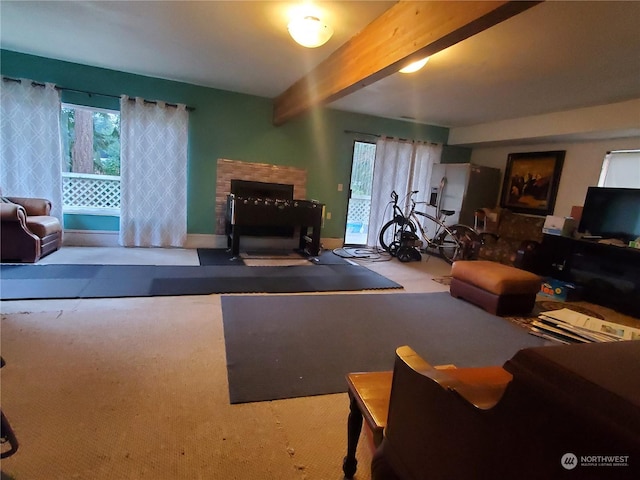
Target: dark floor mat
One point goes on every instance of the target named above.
(22, 282)
(304, 345)
(222, 257)
(217, 256)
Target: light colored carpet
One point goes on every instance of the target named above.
(136, 388)
(273, 259)
(276, 262)
(121, 256)
(122, 389)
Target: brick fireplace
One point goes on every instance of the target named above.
(228, 170)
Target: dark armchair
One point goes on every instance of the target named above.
(557, 405)
(514, 241)
(28, 231)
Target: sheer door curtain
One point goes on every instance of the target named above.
(403, 166)
(31, 145)
(153, 176)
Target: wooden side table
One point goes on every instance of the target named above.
(7, 437)
(369, 394)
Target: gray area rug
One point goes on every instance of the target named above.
(292, 346)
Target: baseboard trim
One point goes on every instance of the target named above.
(201, 240)
(103, 238)
(90, 238)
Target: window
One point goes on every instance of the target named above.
(91, 160)
(621, 169)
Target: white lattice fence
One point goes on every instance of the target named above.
(359, 208)
(88, 190)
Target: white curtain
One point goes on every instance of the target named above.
(403, 166)
(31, 163)
(153, 174)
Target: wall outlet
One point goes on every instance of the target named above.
(339, 187)
(328, 215)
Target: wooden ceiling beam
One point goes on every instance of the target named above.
(406, 32)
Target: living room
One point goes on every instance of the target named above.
(221, 128)
(93, 389)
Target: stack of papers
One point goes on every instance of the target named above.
(568, 326)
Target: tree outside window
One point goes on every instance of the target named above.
(91, 141)
(91, 160)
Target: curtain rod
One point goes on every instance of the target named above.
(65, 89)
(363, 133)
(386, 136)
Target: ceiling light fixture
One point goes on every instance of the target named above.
(415, 66)
(309, 31)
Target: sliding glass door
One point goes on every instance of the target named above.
(358, 210)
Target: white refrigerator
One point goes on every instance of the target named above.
(464, 188)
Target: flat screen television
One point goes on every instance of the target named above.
(611, 213)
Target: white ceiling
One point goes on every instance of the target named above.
(556, 56)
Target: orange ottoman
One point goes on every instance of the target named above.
(497, 288)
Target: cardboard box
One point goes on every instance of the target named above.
(563, 226)
(559, 290)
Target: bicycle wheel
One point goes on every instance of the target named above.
(391, 234)
(407, 254)
(458, 242)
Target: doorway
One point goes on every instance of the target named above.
(359, 207)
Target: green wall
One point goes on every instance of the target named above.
(74, 221)
(233, 126)
(455, 154)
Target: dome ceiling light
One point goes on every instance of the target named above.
(309, 31)
(415, 66)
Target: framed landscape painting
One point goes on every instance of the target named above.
(531, 182)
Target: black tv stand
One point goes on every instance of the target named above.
(609, 274)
